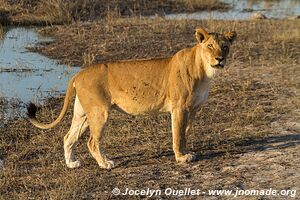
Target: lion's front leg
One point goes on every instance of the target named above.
(179, 125)
(190, 122)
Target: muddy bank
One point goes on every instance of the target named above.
(42, 12)
(246, 134)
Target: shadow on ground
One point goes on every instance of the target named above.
(230, 147)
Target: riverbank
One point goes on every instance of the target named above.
(246, 134)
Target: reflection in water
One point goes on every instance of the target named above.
(29, 76)
(243, 9)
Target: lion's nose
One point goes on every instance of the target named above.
(220, 59)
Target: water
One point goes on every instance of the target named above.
(243, 9)
(29, 76)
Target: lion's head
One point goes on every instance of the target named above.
(215, 47)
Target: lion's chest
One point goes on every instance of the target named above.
(200, 94)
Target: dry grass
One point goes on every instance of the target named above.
(3, 5)
(4, 12)
(55, 11)
(40, 12)
(138, 38)
(247, 133)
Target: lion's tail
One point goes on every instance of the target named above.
(31, 109)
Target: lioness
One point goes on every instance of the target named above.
(178, 85)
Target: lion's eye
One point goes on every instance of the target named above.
(210, 46)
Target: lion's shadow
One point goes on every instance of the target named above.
(228, 146)
(251, 144)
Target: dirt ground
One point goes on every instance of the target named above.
(247, 135)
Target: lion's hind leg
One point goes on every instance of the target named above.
(78, 127)
(98, 118)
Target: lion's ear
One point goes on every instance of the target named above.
(231, 36)
(201, 35)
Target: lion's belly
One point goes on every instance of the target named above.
(138, 104)
(134, 108)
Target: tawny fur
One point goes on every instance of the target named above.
(178, 85)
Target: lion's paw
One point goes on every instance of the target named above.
(74, 164)
(108, 164)
(190, 157)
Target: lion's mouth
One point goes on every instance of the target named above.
(218, 66)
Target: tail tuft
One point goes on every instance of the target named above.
(31, 110)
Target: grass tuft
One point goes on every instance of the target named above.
(54, 11)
